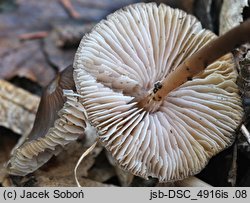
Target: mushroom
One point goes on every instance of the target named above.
(141, 82)
(58, 122)
(154, 123)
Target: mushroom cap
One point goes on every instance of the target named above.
(60, 120)
(124, 56)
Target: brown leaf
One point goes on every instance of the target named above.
(95, 10)
(18, 108)
(26, 59)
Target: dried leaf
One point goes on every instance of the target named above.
(24, 59)
(60, 46)
(18, 108)
(95, 10)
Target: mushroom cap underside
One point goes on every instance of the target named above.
(128, 53)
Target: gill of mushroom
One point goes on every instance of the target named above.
(194, 65)
(149, 137)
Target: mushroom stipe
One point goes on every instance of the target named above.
(199, 61)
(150, 81)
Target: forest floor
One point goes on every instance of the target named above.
(38, 39)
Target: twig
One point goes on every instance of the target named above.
(80, 160)
(33, 35)
(245, 132)
(70, 9)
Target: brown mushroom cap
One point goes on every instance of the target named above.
(122, 58)
(59, 121)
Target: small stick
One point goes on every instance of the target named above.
(197, 63)
(70, 9)
(245, 132)
(80, 160)
(33, 35)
